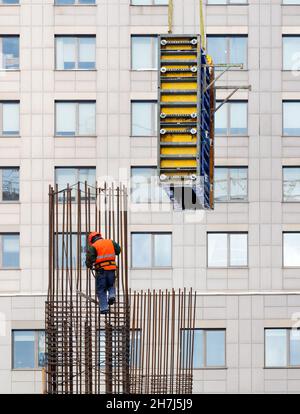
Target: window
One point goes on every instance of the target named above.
(145, 186)
(77, 52)
(9, 1)
(75, 118)
(291, 119)
(73, 175)
(150, 250)
(64, 260)
(10, 251)
(9, 46)
(70, 2)
(232, 118)
(209, 347)
(290, 1)
(9, 179)
(227, 249)
(231, 184)
(228, 49)
(291, 52)
(149, 2)
(28, 349)
(282, 348)
(227, 1)
(10, 116)
(291, 249)
(143, 118)
(291, 183)
(143, 52)
(117, 335)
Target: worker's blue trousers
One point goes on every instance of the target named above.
(105, 280)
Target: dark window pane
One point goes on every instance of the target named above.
(10, 184)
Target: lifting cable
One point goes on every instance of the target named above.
(170, 16)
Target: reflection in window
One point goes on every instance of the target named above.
(209, 347)
(65, 244)
(150, 250)
(10, 184)
(145, 186)
(291, 183)
(143, 52)
(28, 349)
(228, 49)
(75, 52)
(71, 176)
(10, 251)
(291, 52)
(282, 347)
(227, 249)
(143, 118)
(291, 119)
(10, 52)
(291, 249)
(232, 118)
(231, 184)
(75, 118)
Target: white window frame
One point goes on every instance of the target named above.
(154, 52)
(283, 250)
(229, 266)
(228, 118)
(288, 345)
(228, 46)
(77, 134)
(36, 349)
(152, 253)
(1, 251)
(77, 48)
(154, 125)
(286, 167)
(77, 176)
(2, 135)
(229, 199)
(1, 185)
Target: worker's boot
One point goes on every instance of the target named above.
(111, 300)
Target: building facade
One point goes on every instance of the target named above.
(78, 92)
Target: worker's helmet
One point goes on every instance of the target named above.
(93, 236)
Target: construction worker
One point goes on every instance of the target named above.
(101, 255)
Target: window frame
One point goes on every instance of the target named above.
(77, 50)
(228, 3)
(149, 5)
(77, 134)
(154, 107)
(204, 347)
(36, 349)
(3, 36)
(229, 266)
(7, 102)
(2, 252)
(284, 167)
(1, 185)
(282, 132)
(58, 239)
(228, 118)
(228, 37)
(229, 168)
(76, 3)
(152, 253)
(283, 250)
(288, 348)
(154, 52)
(77, 170)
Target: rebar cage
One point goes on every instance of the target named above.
(144, 344)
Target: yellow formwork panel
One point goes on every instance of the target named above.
(179, 85)
(179, 150)
(179, 57)
(179, 164)
(179, 110)
(182, 74)
(178, 138)
(178, 98)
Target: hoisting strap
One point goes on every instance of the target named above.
(202, 28)
(170, 16)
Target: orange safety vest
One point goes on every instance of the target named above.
(106, 258)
